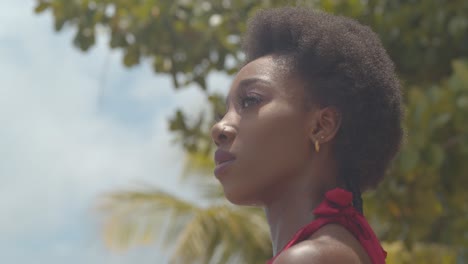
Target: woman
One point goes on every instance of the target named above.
(313, 119)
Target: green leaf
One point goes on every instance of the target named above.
(41, 7)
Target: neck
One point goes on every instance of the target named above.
(290, 205)
(290, 210)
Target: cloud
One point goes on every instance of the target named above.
(66, 137)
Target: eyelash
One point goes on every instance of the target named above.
(242, 100)
(253, 99)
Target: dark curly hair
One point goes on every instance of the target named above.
(344, 65)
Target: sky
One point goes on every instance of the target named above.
(73, 126)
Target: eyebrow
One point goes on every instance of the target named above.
(245, 83)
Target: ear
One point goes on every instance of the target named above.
(324, 124)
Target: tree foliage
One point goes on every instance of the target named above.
(189, 39)
(422, 200)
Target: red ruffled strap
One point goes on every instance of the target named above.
(337, 208)
(338, 203)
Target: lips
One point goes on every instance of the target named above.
(223, 156)
(223, 160)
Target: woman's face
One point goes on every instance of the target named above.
(265, 128)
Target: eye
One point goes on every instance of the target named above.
(249, 100)
(244, 103)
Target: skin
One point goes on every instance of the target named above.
(272, 136)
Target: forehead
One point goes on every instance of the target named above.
(267, 66)
(273, 72)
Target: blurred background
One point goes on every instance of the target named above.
(105, 110)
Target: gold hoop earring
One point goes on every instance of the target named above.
(317, 146)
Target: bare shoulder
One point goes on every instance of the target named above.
(330, 244)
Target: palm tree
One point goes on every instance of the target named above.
(217, 233)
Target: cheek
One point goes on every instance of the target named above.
(277, 143)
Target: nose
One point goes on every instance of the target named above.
(222, 134)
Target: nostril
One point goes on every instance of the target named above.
(217, 137)
(222, 137)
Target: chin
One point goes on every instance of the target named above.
(242, 198)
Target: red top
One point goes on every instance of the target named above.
(337, 209)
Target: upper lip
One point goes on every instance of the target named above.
(223, 156)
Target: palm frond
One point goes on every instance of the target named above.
(139, 217)
(224, 234)
(211, 190)
(199, 164)
(220, 233)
